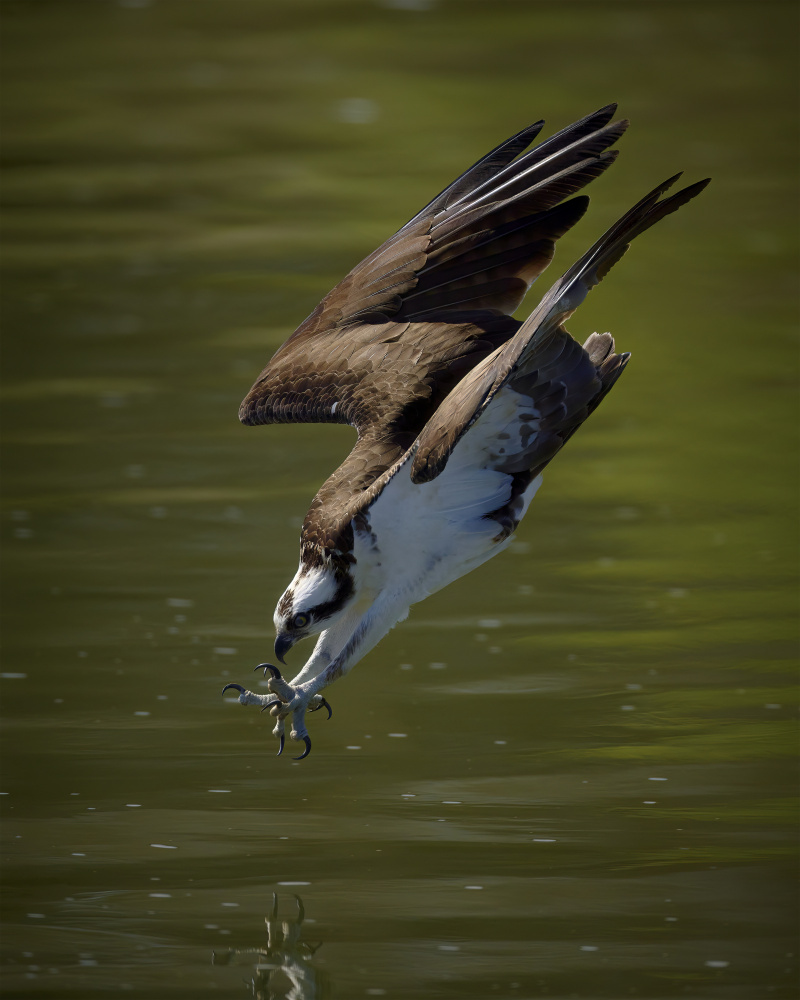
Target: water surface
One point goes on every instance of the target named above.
(571, 774)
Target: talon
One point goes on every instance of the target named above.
(236, 687)
(271, 704)
(268, 666)
(280, 751)
(323, 704)
(307, 751)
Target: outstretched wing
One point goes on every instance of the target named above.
(562, 381)
(384, 347)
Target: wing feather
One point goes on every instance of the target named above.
(531, 348)
(494, 228)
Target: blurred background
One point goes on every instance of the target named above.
(578, 762)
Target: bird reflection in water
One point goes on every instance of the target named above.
(283, 969)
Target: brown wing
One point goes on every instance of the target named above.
(564, 381)
(381, 350)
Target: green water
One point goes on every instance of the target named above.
(593, 795)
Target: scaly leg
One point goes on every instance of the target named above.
(287, 701)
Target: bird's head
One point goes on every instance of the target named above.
(311, 603)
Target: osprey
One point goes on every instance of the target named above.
(458, 406)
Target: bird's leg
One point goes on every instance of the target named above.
(294, 701)
(329, 663)
(283, 701)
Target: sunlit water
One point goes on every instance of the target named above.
(568, 775)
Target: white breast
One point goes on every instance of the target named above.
(427, 535)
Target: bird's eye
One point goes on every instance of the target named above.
(300, 621)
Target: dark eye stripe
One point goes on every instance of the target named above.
(329, 608)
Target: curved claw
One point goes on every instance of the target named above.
(323, 704)
(307, 751)
(236, 687)
(271, 704)
(280, 751)
(268, 666)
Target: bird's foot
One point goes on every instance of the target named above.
(284, 701)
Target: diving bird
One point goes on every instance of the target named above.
(457, 405)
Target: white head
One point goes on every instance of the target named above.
(311, 602)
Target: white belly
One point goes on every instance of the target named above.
(425, 536)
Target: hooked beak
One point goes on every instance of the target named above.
(283, 643)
